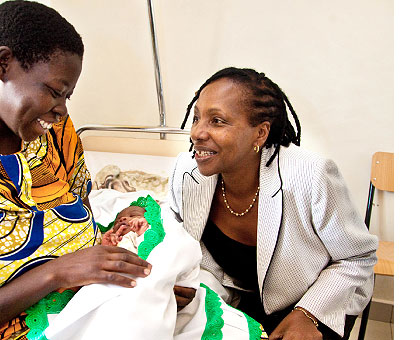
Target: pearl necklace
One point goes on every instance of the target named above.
(230, 209)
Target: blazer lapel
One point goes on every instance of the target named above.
(270, 210)
(197, 193)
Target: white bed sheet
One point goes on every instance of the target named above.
(159, 165)
(130, 172)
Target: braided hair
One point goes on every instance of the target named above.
(34, 32)
(267, 103)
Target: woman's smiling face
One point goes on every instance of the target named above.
(32, 100)
(221, 133)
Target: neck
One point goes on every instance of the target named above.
(9, 142)
(244, 181)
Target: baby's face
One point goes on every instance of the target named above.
(126, 215)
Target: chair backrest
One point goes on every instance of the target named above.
(382, 171)
(381, 177)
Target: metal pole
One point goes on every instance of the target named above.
(158, 78)
(141, 129)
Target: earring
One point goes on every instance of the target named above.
(257, 148)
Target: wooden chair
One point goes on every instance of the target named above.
(381, 178)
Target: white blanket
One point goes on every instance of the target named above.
(149, 311)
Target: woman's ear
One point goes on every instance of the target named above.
(5, 58)
(263, 132)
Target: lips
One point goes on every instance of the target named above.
(48, 125)
(204, 153)
(45, 125)
(201, 154)
(124, 225)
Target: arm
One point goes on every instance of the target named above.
(27, 240)
(98, 264)
(87, 203)
(297, 326)
(346, 283)
(24, 291)
(183, 296)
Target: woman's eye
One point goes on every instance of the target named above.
(54, 93)
(195, 119)
(217, 120)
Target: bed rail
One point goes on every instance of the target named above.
(162, 129)
(142, 129)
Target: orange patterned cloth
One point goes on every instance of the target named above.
(42, 215)
(14, 329)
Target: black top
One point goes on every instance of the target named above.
(238, 260)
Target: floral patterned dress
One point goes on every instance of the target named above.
(42, 215)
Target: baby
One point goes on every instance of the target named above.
(149, 309)
(130, 219)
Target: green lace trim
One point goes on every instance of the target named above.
(215, 323)
(155, 234)
(254, 328)
(37, 318)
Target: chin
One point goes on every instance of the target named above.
(30, 138)
(206, 171)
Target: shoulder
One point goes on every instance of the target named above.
(297, 165)
(297, 154)
(302, 159)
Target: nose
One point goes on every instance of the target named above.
(61, 108)
(199, 131)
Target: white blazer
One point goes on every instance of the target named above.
(313, 248)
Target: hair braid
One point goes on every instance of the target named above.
(267, 102)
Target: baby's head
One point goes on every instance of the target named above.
(130, 212)
(130, 218)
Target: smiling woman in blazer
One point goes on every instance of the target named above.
(275, 222)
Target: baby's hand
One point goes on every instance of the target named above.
(122, 230)
(139, 225)
(110, 238)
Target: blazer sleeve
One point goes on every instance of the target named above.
(346, 283)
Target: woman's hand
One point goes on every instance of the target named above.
(296, 326)
(183, 296)
(99, 264)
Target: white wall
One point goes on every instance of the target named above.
(333, 58)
